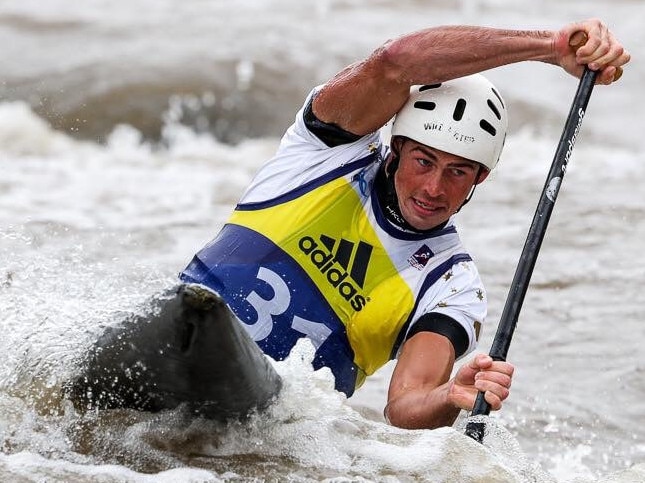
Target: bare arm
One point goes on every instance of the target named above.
(421, 395)
(365, 95)
(418, 393)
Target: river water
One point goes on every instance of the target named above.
(129, 129)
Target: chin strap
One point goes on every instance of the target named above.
(472, 190)
(390, 199)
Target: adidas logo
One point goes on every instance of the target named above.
(333, 259)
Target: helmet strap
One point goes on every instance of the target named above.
(472, 190)
(389, 198)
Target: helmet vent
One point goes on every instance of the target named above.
(486, 126)
(460, 107)
(429, 86)
(427, 105)
(493, 108)
(498, 97)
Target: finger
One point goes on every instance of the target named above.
(493, 400)
(467, 372)
(594, 48)
(620, 61)
(502, 380)
(493, 394)
(609, 54)
(489, 387)
(614, 57)
(482, 361)
(500, 367)
(608, 75)
(477, 364)
(587, 38)
(599, 57)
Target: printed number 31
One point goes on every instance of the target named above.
(277, 305)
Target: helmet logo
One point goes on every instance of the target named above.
(432, 126)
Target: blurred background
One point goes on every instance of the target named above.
(129, 130)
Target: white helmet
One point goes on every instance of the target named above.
(466, 117)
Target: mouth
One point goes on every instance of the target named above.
(426, 208)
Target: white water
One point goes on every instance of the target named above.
(89, 230)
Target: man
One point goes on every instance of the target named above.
(354, 246)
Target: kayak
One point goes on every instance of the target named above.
(186, 348)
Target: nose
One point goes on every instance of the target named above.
(433, 183)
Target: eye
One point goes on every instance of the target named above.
(459, 172)
(424, 162)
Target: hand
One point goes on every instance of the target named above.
(601, 51)
(481, 374)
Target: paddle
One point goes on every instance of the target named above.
(519, 286)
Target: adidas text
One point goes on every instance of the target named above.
(335, 273)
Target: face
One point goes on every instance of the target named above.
(431, 185)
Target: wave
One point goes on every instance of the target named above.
(245, 74)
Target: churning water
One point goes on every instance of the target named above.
(129, 129)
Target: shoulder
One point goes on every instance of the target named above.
(303, 157)
(311, 133)
(458, 294)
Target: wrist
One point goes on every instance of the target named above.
(541, 46)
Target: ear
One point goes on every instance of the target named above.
(396, 143)
(392, 161)
(482, 175)
(391, 164)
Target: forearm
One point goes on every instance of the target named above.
(365, 95)
(441, 53)
(421, 408)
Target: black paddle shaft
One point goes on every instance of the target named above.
(519, 286)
